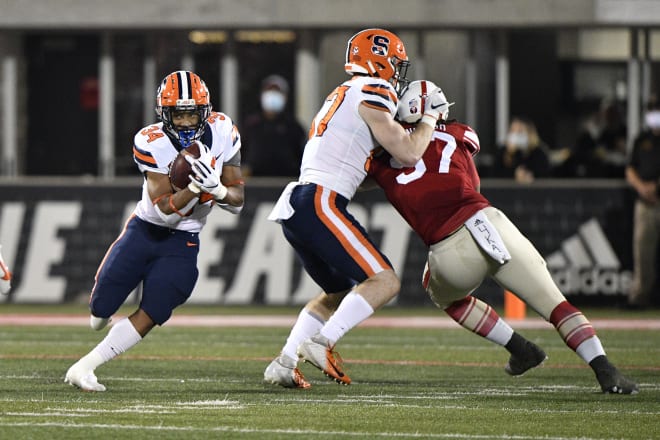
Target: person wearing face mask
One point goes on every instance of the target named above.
(272, 139)
(643, 175)
(523, 156)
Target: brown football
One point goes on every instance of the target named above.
(180, 168)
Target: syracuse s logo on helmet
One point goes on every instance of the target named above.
(381, 45)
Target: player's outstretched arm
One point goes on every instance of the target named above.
(406, 148)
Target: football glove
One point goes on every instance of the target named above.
(435, 105)
(205, 175)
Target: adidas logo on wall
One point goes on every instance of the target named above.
(586, 264)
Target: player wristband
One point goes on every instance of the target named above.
(194, 188)
(220, 192)
(429, 120)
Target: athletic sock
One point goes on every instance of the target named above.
(353, 310)
(120, 338)
(480, 318)
(577, 331)
(590, 349)
(307, 325)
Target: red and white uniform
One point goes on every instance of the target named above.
(442, 191)
(439, 198)
(153, 151)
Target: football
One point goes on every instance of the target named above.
(180, 168)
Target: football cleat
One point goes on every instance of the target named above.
(283, 371)
(613, 382)
(533, 357)
(318, 352)
(83, 379)
(97, 323)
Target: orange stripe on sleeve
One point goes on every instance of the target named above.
(144, 157)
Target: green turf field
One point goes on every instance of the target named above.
(204, 382)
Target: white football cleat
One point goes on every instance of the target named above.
(318, 352)
(282, 371)
(83, 379)
(97, 323)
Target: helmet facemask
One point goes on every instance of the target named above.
(185, 136)
(183, 91)
(399, 80)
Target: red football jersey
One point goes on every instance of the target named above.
(441, 192)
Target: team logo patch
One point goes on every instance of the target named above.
(413, 106)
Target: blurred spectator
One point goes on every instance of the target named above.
(611, 144)
(643, 174)
(523, 156)
(272, 139)
(600, 148)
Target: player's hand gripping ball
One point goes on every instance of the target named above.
(180, 169)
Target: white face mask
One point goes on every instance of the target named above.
(273, 101)
(652, 119)
(518, 140)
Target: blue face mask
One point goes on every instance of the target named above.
(187, 137)
(273, 101)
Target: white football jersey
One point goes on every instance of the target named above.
(153, 151)
(340, 141)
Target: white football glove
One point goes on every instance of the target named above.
(205, 176)
(436, 104)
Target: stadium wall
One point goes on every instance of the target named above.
(55, 232)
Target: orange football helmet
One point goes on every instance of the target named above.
(183, 91)
(378, 53)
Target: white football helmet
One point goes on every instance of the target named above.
(413, 100)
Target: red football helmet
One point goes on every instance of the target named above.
(183, 91)
(378, 53)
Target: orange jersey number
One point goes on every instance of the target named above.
(332, 103)
(152, 133)
(214, 117)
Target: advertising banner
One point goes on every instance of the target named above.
(54, 236)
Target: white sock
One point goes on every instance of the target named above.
(500, 333)
(590, 349)
(120, 338)
(307, 325)
(353, 310)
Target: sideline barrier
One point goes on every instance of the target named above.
(54, 232)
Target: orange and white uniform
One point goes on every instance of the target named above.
(153, 151)
(161, 255)
(334, 248)
(340, 141)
